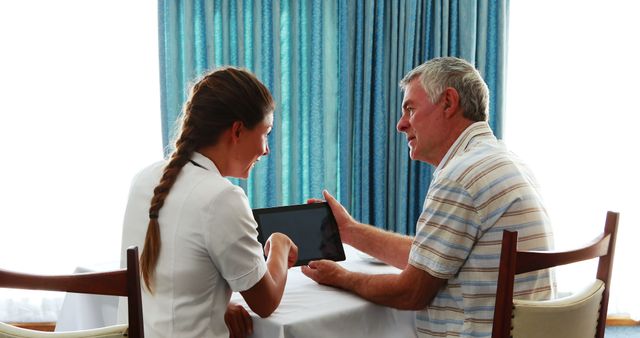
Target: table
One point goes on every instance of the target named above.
(307, 309)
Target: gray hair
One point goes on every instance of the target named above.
(438, 74)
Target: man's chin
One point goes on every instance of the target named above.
(412, 155)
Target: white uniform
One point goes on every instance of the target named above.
(209, 249)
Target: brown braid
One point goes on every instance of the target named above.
(216, 102)
(151, 250)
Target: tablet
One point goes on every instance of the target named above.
(311, 227)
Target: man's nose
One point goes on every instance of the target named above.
(403, 124)
(266, 150)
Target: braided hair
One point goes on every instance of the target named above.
(215, 102)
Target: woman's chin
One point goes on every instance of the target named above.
(245, 175)
(241, 175)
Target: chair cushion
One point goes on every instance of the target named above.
(568, 317)
(114, 331)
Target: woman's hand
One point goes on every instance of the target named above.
(238, 321)
(282, 240)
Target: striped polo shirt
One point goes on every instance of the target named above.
(478, 190)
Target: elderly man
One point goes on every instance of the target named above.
(450, 268)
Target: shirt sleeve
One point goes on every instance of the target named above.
(235, 249)
(447, 230)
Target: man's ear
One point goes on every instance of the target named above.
(451, 101)
(236, 129)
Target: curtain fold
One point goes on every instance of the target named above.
(333, 68)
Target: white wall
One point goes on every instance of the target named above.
(572, 114)
(79, 115)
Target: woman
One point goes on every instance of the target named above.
(196, 229)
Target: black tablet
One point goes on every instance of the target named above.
(311, 227)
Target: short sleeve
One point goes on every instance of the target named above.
(234, 246)
(446, 232)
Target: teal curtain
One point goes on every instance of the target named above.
(333, 67)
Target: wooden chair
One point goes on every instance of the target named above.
(582, 314)
(122, 282)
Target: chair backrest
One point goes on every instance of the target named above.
(121, 282)
(512, 317)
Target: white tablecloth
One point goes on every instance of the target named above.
(311, 310)
(307, 309)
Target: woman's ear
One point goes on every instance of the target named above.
(236, 130)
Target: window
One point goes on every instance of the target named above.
(571, 114)
(80, 110)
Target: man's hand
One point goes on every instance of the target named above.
(238, 321)
(325, 272)
(344, 220)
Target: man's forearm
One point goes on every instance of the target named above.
(389, 290)
(386, 246)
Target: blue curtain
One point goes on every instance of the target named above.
(333, 67)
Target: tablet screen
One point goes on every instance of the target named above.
(311, 227)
